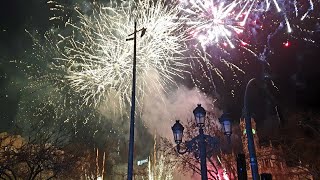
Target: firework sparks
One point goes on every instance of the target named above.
(214, 28)
(224, 27)
(223, 23)
(213, 22)
(94, 59)
(98, 60)
(301, 9)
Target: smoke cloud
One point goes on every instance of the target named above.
(161, 110)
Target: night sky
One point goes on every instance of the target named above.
(295, 69)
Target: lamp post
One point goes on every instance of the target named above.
(266, 77)
(251, 147)
(133, 98)
(198, 143)
(200, 115)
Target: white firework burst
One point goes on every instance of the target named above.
(213, 21)
(98, 59)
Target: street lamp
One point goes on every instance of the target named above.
(133, 97)
(199, 115)
(198, 143)
(177, 130)
(226, 124)
(247, 115)
(251, 147)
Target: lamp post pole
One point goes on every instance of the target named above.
(251, 147)
(247, 116)
(133, 105)
(203, 155)
(133, 99)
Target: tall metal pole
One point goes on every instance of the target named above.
(203, 155)
(133, 105)
(251, 147)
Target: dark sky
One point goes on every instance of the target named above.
(295, 69)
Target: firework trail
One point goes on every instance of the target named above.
(229, 34)
(283, 14)
(42, 96)
(291, 22)
(160, 169)
(215, 22)
(161, 164)
(225, 23)
(91, 62)
(98, 59)
(215, 29)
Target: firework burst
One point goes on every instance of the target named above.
(225, 23)
(213, 22)
(98, 59)
(230, 33)
(283, 13)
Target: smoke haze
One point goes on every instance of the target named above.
(161, 110)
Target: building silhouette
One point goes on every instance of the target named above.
(270, 159)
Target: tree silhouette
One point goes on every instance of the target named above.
(41, 155)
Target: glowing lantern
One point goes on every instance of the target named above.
(226, 124)
(177, 130)
(200, 115)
